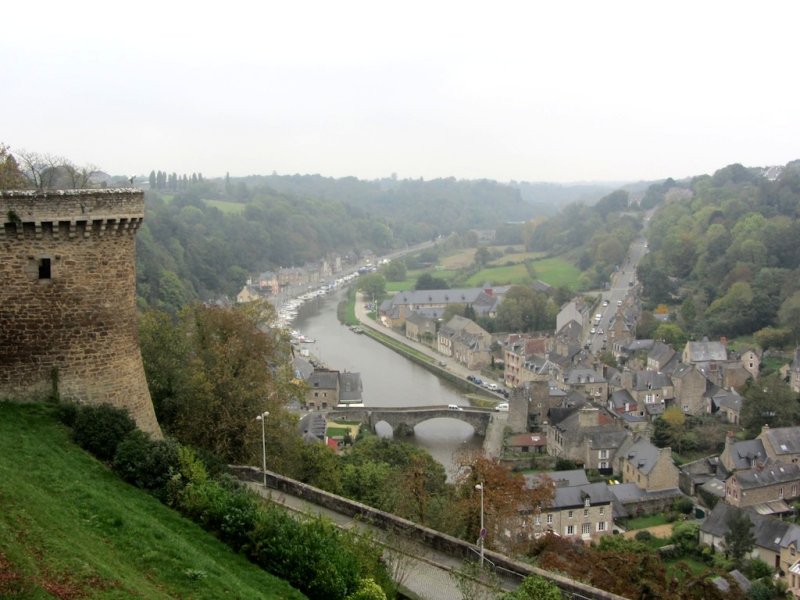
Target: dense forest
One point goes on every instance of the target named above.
(725, 253)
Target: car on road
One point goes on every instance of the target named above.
(600, 331)
(454, 407)
(619, 302)
(471, 378)
(491, 386)
(502, 407)
(605, 302)
(442, 363)
(593, 331)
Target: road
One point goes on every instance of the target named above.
(622, 285)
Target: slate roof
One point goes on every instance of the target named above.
(783, 440)
(423, 316)
(637, 345)
(620, 398)
(771, 475)
(643, 455)
(768, 531)
(705, 351)
(744, 453)
(579, 376)
(568, 478)
(661, 353)
(350, 387)
(650, 380)
(324, 379)
(727, 399)
(476, 297)
(575, 496)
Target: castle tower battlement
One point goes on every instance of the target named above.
(68, 299)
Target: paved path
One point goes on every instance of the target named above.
(422, 570)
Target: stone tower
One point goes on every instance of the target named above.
(68, 299)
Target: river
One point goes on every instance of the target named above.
(388, 378)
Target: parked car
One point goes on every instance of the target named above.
(478, 381)
(491, 386)
(471, 378)
(502, 407)
(454, 407)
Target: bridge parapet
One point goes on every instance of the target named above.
(410, 417)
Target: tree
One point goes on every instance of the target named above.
(218, 369)
(789, 315)
(482, 257)
(373, 286)
(11, 177)
(768, 401)
(395, 270)
(739, 539)
(426, 281)
(535, 587)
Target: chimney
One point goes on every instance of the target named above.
(588, 417)
(728, 439)
(764, 428)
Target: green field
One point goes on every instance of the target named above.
(69, 528)
(515, 274)
(557, 272)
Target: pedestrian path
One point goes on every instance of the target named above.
(422, 571)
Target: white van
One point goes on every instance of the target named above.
(502, 407)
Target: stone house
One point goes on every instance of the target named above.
(249, 293)
(268, 280)
(465, 341)
(728, 404)
(776, 541)
(781, 443)
(650, 468)
(328, 388)
(648, 387)
(577, 310)
(421, 327)
(690, 386)
(742, 455)
(528, 443)
(659, 356)
(587, 381)
(751, 362)
(588, 436)
(582, 512)
(766, 488)
(517, 348)
(704, 352)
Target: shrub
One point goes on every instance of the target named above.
(535, 587)
(643, 536)
(683, 505)
(99, 429)
(67, 412)
(146, 463)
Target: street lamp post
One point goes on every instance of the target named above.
(483, 531)
(263, 417)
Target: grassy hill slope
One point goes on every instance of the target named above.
(70, 529)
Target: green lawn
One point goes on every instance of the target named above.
(69, 528)
(649, 521)
(515, 274)
(557, 272)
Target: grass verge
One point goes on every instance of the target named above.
(69, 528)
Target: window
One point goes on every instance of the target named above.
(780, 492)
(586, 529)
(603, 453)
(569, 514)
(602, 510)
(586, 502)
(44, 268)
(570, 530)
(603, 464)
(585, 513)
(601, 526)
(537, 520)
(549, 519)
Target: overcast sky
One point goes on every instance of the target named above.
(534, 90)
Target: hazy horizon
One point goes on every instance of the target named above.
(575, 93)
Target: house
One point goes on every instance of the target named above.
(765, 488)
(328, 388)
(399, 306)
(249, 293)
(421, 327)
(774, 539)
(751, 361)
(648, 387)
(781, 443)
(527, 443)
(578, 310)
(465, 341)
(588, 436)
(659, 356)
(728, 404)
(650, 468)
(704, 352)
(582, 512)
(690, 386)
(517, 349)
(739, 456)
(587, 381)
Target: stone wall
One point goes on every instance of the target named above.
(68, 299)
(429, 537)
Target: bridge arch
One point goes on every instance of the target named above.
(406, 419)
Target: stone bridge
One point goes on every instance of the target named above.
(407, 418)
